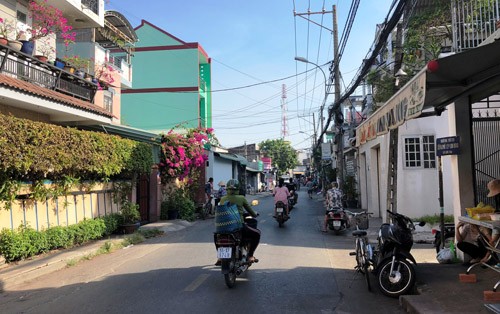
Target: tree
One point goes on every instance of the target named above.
(283, 156)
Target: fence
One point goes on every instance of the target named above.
(61, 211)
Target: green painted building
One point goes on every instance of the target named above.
(171, 83)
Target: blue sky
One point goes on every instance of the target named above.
(255, 42)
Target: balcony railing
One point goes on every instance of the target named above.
(92, 5)
(24, 67)
(473, 22)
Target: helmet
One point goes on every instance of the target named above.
(233, 184)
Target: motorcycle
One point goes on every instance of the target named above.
(232, 250)
(391, 259)
(281, 216)
(449, 236)
(338, 220)
(291, 201)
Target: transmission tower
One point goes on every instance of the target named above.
(284, 126)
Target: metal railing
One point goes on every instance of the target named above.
(92, 5)
(473, 22)
(24, 67)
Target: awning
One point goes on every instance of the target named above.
(234, 157)
(474, 73)
(252, 169)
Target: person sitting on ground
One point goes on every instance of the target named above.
(281, 194)
(468, 241)
(494, 191)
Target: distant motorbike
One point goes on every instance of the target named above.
(391, 259)
(338, 220)
(232, 250)
(280, 213)
(291, 201)
(449, 236)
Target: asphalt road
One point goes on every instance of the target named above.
(301, 270)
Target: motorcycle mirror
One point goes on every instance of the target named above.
(421, 224)
(255, 202)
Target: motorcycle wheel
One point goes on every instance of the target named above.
(230, 278)
(280, 223)
(401, 281)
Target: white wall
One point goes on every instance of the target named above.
(222, 170)
(418, 189)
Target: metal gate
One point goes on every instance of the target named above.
(486, 136)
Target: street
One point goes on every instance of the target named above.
(301, 270)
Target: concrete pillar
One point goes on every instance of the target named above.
(462, 169)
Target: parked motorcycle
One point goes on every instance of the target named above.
(232, 250)
(281, 216)
(392, 257)
(449, 236)
(338, 220)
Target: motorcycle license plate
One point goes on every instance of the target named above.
(224, 252)
(336, 223)
(279, 209)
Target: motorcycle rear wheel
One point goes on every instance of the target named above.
(230, 277)
(401, 282)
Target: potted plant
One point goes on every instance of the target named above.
(103, 74)
(5, 28)
(79, 64)
(48, 20)
(129, 217)
(350, 192)
(45, 50)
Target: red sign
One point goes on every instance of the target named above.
(267, 163)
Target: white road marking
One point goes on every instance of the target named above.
(197, 282)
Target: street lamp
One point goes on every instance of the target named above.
(302, 59)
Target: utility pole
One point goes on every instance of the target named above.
(339, 121)
(306, 16)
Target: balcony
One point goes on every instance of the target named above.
(29, 69)
(81, 13)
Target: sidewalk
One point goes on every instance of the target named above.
(438, 288)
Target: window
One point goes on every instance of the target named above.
(420, 152)
(21, 17)
(108, 101)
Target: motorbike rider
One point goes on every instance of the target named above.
(221, 192)
(292, 189)
(333, 201)
(281, 194)
(253, 234)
